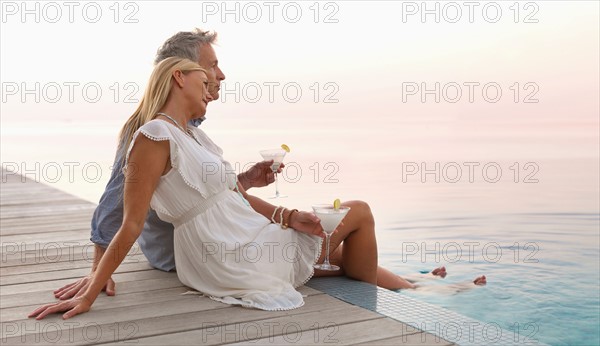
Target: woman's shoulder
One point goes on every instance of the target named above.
(157, 129)
(156, 123)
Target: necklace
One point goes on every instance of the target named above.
(188, 132)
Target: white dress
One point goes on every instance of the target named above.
(223, 248)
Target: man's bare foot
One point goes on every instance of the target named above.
(441, 272)
(480, 281)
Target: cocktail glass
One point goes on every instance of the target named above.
(330, 219)
(277, 156)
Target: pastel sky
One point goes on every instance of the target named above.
(356, 64)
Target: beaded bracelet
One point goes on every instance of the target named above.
(273, 216)
(281, 217)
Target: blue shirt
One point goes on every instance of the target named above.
(156, 240)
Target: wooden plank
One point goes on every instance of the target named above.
(57, 253)
(104, 302)
(86, 263)
(419, 338)
(25, 196)
(81, 225)
(55, 237)
(347, 334)
(51, 285)
(49, 202)
(39, 200)
(121, 299)
(46, 296)
(45, 224)
(18, 185)
(133, 265)
(8, 175)
(27, 245)
(15, 181)
(330, 316)
(27, 187)
(34, 219)
(17, 255)
(19, 193)
(46, 210)
(37, 220)
(120, 314)
(30, 187)
(156, 319)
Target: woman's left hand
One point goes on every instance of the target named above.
(307, 222)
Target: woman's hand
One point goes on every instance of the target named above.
(307, 222)
(73, 306)
(77, 288)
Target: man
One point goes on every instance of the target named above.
(156, 240)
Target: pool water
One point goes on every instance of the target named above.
(543, 279)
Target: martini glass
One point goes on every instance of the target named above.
(330, 219)
(277, 156)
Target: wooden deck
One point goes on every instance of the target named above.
(45, 244)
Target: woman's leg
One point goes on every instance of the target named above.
(358, 257)
(455, 288)
(385, 278)
(391, 281)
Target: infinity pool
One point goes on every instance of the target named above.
(542, 270)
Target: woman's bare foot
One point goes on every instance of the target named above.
(480, 281)
(441, 272)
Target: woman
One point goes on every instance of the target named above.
(229, 245)
(210, 211)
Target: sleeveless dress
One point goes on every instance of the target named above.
(223, 248)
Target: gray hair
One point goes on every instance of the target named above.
(185, 44)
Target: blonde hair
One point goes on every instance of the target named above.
(155, 96)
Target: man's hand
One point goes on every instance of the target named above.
(77, 288)
(259, 175)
